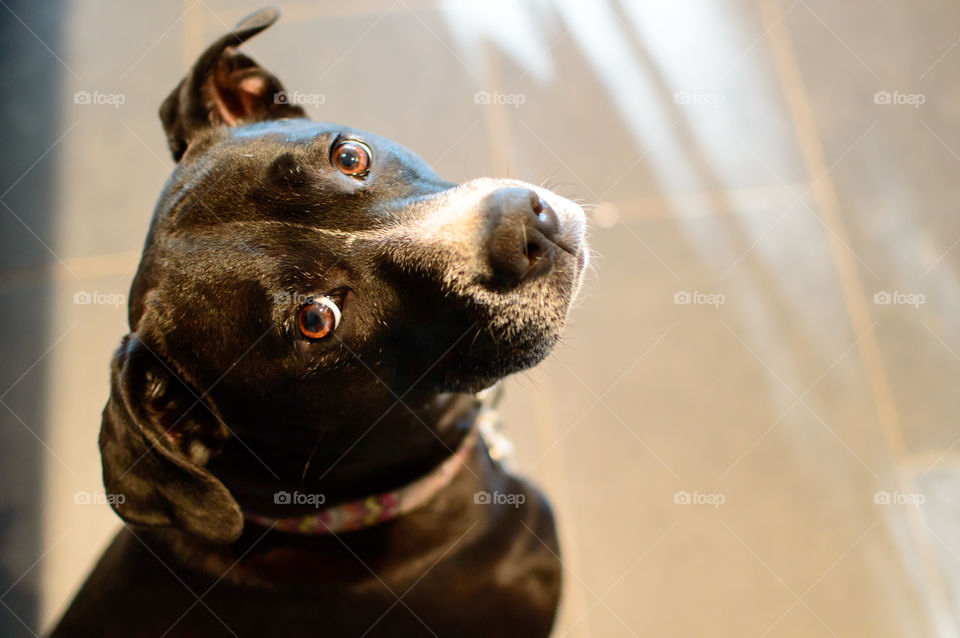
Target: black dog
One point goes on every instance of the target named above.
(313, 310)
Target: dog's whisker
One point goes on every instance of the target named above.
(306, 466)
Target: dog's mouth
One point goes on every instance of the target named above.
(567, 249)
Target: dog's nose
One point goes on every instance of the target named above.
(524, 235)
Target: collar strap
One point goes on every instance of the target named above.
(379, 508)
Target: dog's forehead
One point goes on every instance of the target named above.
(319, 135)
(277, 166)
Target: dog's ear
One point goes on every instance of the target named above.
(225, 87)
(155, 439)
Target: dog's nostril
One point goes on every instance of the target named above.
(546, 220)
(533, 251)
(536, 203)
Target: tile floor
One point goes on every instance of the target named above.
(789, 168)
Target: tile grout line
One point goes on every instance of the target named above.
(652, 207)
(118, 263)
(799, 106)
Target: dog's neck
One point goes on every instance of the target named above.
(351, 463)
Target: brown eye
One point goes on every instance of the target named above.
(352, 158)
(318, 318)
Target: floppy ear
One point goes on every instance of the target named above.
(155, 439)
(225, 87)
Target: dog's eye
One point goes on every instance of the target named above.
(318, 318)
(352, 158)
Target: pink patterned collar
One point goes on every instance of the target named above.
(379, 508)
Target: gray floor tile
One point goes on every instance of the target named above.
(896, 187)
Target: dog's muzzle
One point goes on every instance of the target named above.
(495, 233)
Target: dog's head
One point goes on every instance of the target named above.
(298, 274)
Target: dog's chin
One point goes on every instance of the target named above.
(510, 334)
(484, 366)
(488, 333)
